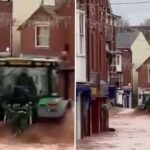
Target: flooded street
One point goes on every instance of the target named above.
(43, 135)
(132, 133)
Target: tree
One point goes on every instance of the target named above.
(145, 23)
(123, 23)
(145, 29)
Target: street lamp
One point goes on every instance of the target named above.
(5, 53)
(129, 84)
(7, 49)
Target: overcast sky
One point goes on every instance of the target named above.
(135, 14)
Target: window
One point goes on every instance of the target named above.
(118, 60)
(54, 82)
(36, 79)
(92, 51)
(81, 22)
(149, 74)
(114, 61)
(42, 36)
(80, 32)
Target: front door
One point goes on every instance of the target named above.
(84, 116)
(126, 101)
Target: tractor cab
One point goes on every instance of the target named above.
(33, 80)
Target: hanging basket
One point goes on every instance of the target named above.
(105, 107)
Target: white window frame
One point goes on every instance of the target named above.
(41, 46)
(78, 34)
(148, 69)
(114, 61)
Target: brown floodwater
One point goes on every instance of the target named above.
(132, 133)
(46, 134)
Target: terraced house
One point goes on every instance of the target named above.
(95, 49)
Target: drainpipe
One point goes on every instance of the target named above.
(87, 47)
(11, 30)
(65, 72)
(11, 25)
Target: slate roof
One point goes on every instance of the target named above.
(145, 30)
(126, 39)
(51, 10)
(61, 3)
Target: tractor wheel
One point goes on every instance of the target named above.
(34, 115)
(1, 114)
(5, 118)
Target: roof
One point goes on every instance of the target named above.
(109, 6)
(126, 39)
(145, 30)
(24, 61)
(111, 11)
(139, 68)
(50, 10)
(8, 1)
(61, 3)
(32, 59)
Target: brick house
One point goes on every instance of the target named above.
(48, 32)
(134, 49)
(144, 81)
(93, 57)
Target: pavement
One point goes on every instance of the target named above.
(132, 132)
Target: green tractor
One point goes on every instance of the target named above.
(22, 106)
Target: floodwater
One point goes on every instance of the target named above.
(132, 133)
(43, 135)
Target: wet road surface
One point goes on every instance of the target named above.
(132, 133)
(44, 135)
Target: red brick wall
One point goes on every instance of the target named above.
(96, 50)
(69, 30)
(5, 20)
(143, 76)
(126, 67)
(59, 36)
(56, 42)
